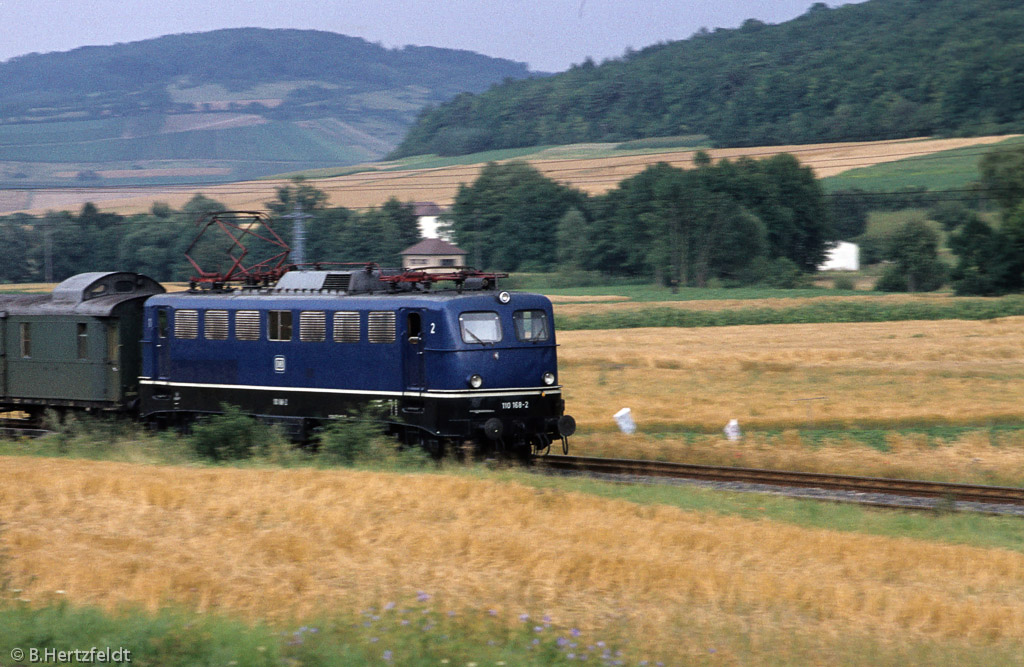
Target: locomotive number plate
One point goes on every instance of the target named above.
(515, 405)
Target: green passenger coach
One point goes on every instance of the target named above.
(77, 347)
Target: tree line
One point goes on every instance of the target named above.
(880, 69)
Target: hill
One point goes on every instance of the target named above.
(220, 106)
(882, 69)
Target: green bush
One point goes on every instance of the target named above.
(230, 436)
(843, 282)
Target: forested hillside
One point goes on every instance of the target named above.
(221, 105)
(876, 70)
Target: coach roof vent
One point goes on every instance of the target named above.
(86, 286)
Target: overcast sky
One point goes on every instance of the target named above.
(549, 35)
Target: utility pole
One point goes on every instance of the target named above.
(298, 218)
(48, 249)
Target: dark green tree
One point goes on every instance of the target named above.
(913, 250)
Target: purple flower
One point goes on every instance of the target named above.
(537, 628)
(387, 656)
(574, 632)
(562, 642)
(492, 612)
(451, 614)
(535, 642)
(524, 617)
(422, 597)
(546, 619)
(389, 606)
(405, 621)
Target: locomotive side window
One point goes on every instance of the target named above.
(531, 325)
(215, 325)
(82, 336)
(483, 327)
(279, 325)
(312, 326)
(186, 324)
(26, 339)
(247, 325)
(381, 326)
(346, 327)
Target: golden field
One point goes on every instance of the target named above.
(283, 544)
(796, 375)
(567, 164)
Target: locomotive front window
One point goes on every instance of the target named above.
(531, 325)
(484, 327)
(279, 325)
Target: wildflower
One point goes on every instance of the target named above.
(524, 617)
(451, 614)
(546, 619)
(492, 612)
(422, 597)
(374, 640)
(389, 606)
(387, 656)
(574, 632)
(537, 628)
(405, 621)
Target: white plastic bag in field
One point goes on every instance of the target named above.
(732, 430)
(624, 418)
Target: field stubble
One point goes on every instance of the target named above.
(797, 375)
(285, 544)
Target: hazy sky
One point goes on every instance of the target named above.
(549, 35)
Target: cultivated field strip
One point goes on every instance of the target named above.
(894, 488)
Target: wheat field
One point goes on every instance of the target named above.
(593, 175)
(284, 544)
(797, 375)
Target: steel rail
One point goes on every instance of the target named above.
(1005, 495)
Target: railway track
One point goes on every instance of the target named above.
(949, 493)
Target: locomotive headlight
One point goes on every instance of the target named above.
(475, 381)
(549, 378)
(504, 297)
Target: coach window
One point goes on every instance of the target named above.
(531, 325)
(279, 325)
(26, 339)
(247, 325)
(113, 344)
(186, 324)
(312, 326)
(82, 340)
(482, 327)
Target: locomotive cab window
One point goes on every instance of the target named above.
(483, 327)
(279, 325)
(531, 325)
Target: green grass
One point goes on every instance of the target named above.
(401, 633)
(846, 311)
(960, 528)
(947, 170)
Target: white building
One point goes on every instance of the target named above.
(843, 257)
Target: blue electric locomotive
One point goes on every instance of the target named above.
(443, 366)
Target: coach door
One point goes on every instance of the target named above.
(413, 342)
